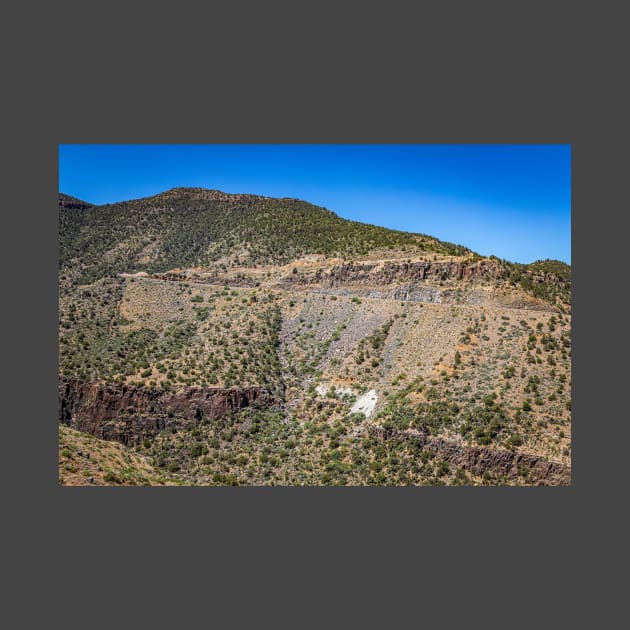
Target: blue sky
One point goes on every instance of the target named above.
(513, 201)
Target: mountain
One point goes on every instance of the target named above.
(194, 227)
(240, 339)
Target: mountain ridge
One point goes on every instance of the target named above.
(199, 193)
(182, 195)
(204, 227)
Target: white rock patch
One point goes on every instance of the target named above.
(365, 404)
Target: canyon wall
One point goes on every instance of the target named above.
(128, 414)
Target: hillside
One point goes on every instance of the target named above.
(197, 227)
(72, 203)
(238, 339)
(84, 460)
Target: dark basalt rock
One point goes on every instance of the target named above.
(128, 414)
(478, 459)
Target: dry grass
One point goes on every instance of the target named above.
(84, 460)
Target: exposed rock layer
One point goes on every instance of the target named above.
(390, 272)
(479, 459)
(128, 414)
(448, 282)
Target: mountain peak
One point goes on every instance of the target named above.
(208, 194)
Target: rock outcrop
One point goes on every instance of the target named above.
(392, 272)
(437, 282)
(479, 459)
(128, 414)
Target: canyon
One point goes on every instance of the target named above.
(239, 339)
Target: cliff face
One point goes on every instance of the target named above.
(478, 459)
(128, 414)
(437, 282)
(391, 272)
(440, 282)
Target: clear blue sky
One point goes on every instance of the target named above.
(513, 201)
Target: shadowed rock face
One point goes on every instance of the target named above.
(128, 414)
(478, 459)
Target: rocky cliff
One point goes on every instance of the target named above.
(380, 273)
(128, 414)
(478, 459)
(445, 282)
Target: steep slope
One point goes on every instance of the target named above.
(191, 227)
(84, 460)
(237, 339)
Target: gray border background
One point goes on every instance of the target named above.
(288, 557)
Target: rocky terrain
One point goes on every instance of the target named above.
(237, 339)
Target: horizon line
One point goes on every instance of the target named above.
(173, 188)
